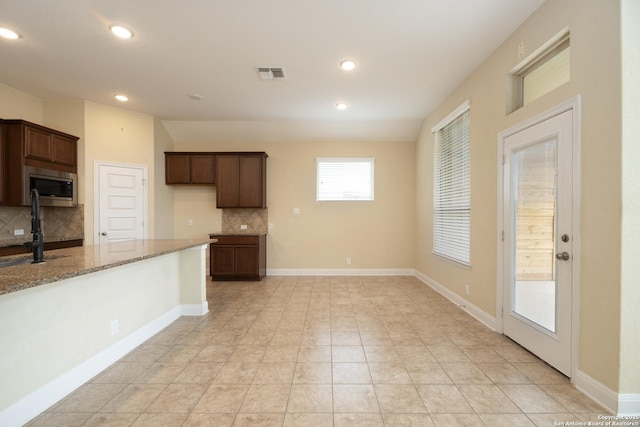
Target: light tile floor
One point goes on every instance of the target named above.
(325, 351)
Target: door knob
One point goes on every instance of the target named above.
(104, 233)
(564, 256)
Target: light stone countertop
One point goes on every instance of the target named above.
(66, 263)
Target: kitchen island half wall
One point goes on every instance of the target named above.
(64, 321)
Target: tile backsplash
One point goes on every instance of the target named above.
(256, 220)
(57, 224)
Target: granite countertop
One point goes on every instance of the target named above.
(66, 263)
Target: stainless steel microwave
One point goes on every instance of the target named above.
(56, 188)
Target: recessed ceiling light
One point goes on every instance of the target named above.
(121, 98)
(348, 64)
(342, 106)
(122, 32)
(8, 33)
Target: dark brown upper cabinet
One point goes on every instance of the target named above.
(241, 180)
(25, 144)
(189, 168)
(40, 147)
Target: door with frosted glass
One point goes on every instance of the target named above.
(538, 181)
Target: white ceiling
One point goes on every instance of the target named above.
(410, 55)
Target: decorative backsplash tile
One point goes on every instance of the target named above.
(57, 224)
(256, 220)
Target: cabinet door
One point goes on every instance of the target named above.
(176, 169)
(251, 182)
(37, 144)
(64, 150)
(202, 169)
(246, 260)
(222, 260)
(227, 180)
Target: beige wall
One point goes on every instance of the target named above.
(595, 75)
(376, 234)
(19, 105)
(116, 136)
(630, 314)
(163, 205)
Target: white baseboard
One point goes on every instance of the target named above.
(597, 391)
(623, 405)
(33, 404)
(340, 272)
(194, 309)
(474, 311)
(629, 405)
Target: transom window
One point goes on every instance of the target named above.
(545, 70)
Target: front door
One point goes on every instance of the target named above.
(538, 238)
(121, 202)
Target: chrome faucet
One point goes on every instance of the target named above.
(37, 245)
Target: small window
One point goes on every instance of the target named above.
(452, 186)
(344, 179)
(546, 71)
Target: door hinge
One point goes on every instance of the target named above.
(502, 235)
(144, 181)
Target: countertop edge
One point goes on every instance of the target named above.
(85, 271)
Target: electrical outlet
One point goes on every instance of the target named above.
(296, 211)
(270, 226)
(114, 327)
(243, 227)
(189, 222)
(18, 232)
(467, 289)
(348, 261)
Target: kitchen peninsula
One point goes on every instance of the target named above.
(65, 320)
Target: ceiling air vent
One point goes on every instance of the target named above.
(271, 73)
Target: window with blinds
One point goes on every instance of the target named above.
(344, 179)
(452, 187)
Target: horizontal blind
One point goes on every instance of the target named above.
(452, 190)
(344, 179)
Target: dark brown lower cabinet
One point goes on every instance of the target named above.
(238, 257)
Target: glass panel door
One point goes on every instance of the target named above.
(534, 219)
(538, 239)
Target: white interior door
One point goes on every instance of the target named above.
(121, 202)
(538, 240)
